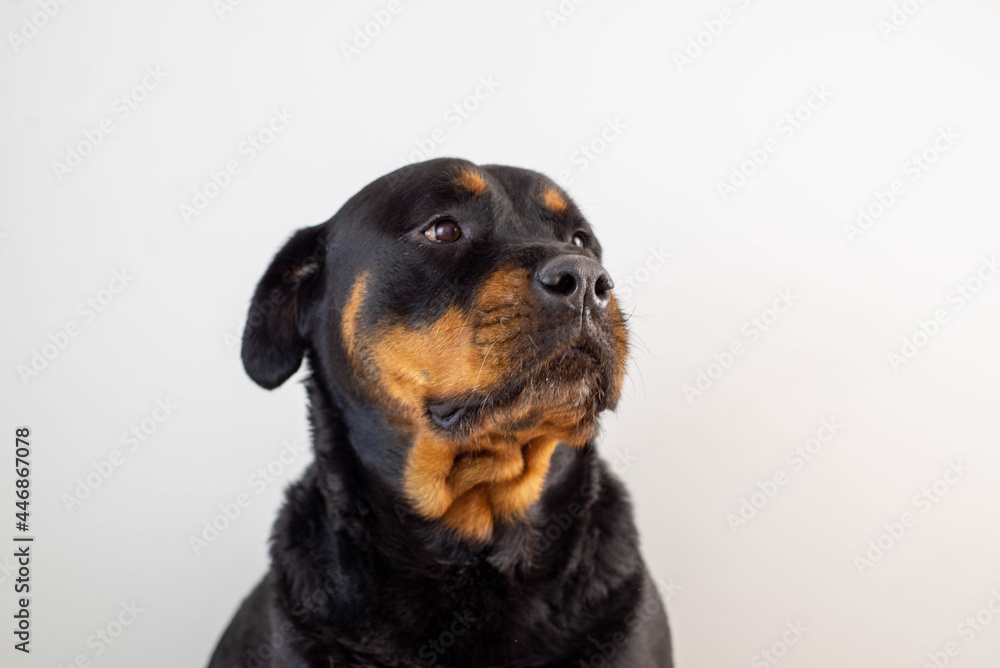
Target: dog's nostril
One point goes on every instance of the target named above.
(602, 286)
(565, 285)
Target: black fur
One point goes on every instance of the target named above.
(357, 578)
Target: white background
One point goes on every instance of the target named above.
(172, 332)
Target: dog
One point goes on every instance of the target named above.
(463, 339)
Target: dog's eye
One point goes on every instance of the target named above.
(579, 239)
(443, 231)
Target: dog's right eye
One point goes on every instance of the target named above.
(443, 231)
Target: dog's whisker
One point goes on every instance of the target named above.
(485, 357)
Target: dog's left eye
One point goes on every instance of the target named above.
(443, 231)
(579, 239)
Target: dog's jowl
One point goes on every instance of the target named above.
(462, 339)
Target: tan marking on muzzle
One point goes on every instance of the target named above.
(457, 354)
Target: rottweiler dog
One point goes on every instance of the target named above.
(463, 339)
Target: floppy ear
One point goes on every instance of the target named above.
(274, 339)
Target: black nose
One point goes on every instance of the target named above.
(575, 281)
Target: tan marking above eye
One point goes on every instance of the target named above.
(554, 200)
(472, 180)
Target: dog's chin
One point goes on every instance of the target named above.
(563, 393)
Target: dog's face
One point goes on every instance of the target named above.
(469, 306)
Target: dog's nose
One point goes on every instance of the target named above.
(575, 281)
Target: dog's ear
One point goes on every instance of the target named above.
(274, 340)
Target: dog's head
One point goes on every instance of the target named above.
(468, 307)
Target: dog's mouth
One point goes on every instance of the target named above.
(580, 362)
(576, 377)
(446, 415)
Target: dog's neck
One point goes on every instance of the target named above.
(361, 457)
